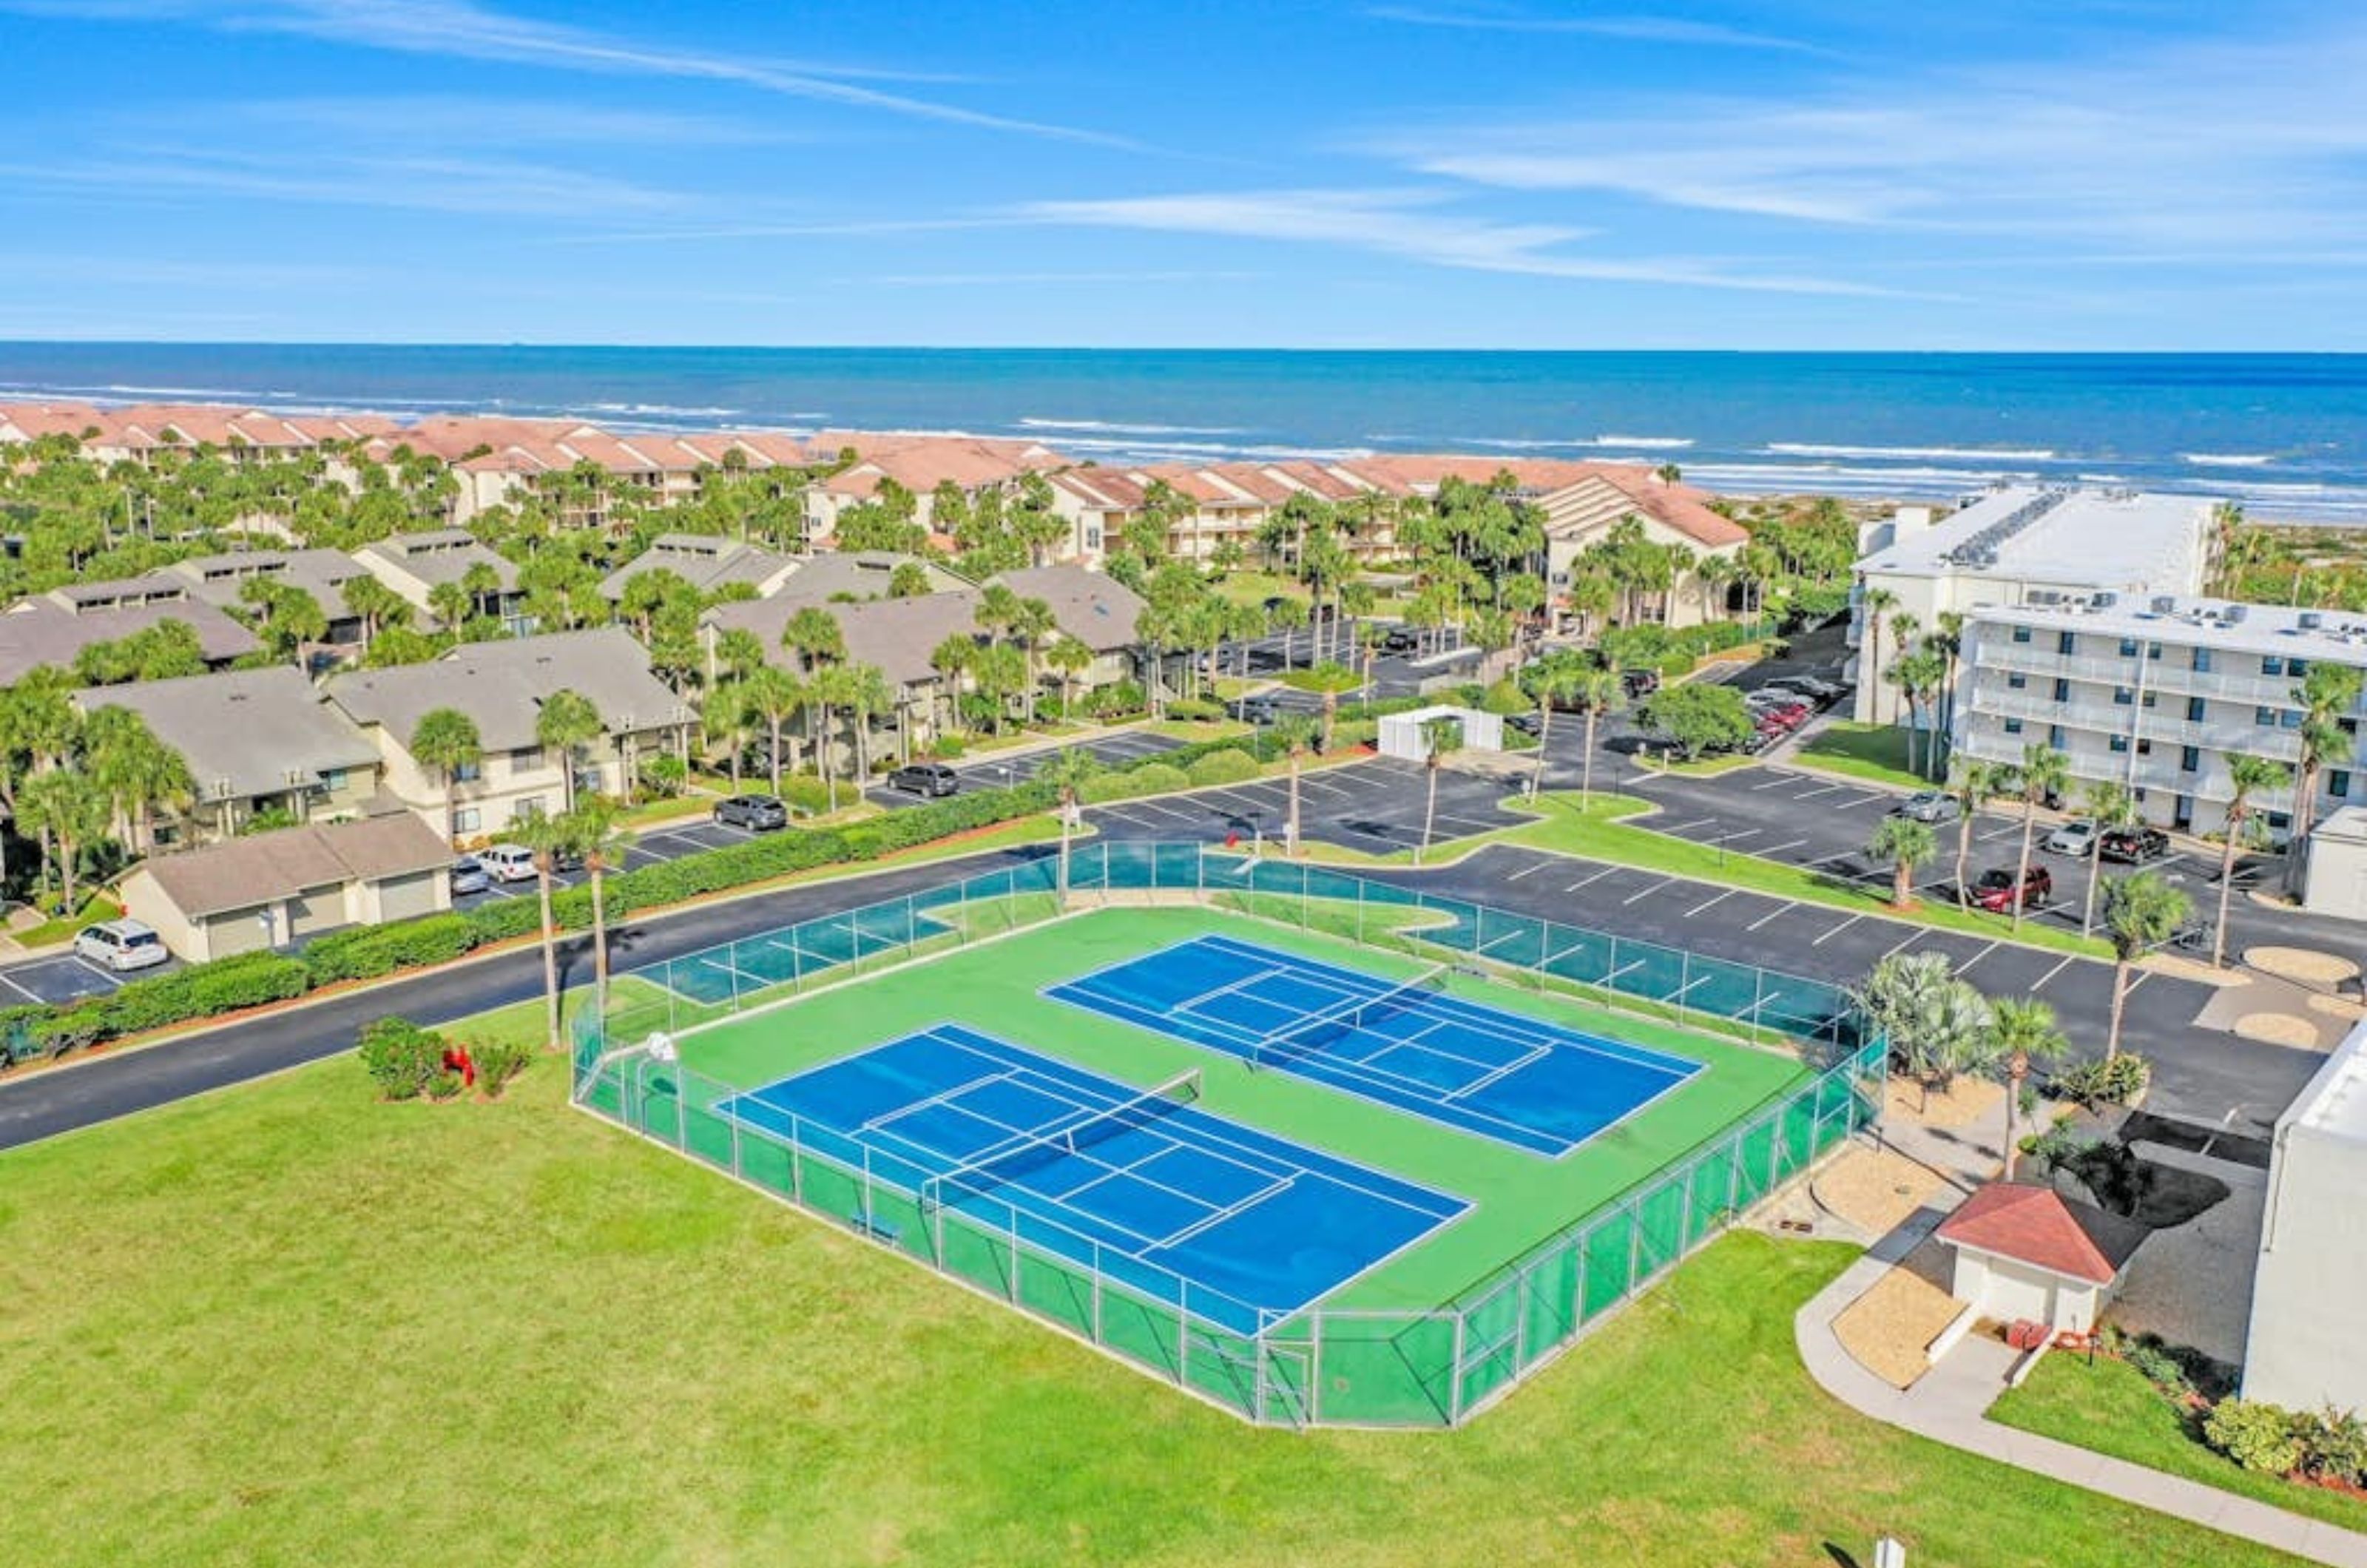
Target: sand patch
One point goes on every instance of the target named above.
(1874, 1188)
(2178, 968)
(2278, 1029)
(2338, 1007)
(1885, 1330)
(1966, 1100)
(2305, 965)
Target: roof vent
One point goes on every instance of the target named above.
(2232, 615)
(2310, 620)
(2164, 603)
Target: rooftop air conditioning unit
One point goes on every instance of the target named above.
(2163, 604)
(2105, 601)
(2310, 621)
(2232, 615)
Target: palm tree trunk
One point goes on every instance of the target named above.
(1290, 845)
(1545, 735)
(549, 955)
(1963, 858)
(2016, 1071)
(2095, 880)
(2226, 880)
(1902, 883)
(2022, 873)
(1066, 800)
(1586, 765)
(1429, 815)
(2120, 995)
(599, 938)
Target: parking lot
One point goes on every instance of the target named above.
(63, 977)
(1000, 772)
(689, 836)
(1374, 805)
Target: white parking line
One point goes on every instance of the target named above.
(1589, 881)
(1912, 938)
(1528, 871)
(1776, 781)
(1778, 849)
(21, 990)
(1698, 822)
(1996, 832)
(1778, 910)
(2143, 976)
(1705, 903)
(1648, 892)
(1837, 931)
(2052, 973)
(1745, 833)
(1976, 957)
(1821, 789)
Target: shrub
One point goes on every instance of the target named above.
(497, 1062)
(663, 774)
(401, 1058)
(368, 952)
(1506, 697)
(1195, 710)
(2114, 1082)
(1121, 697)
(1227, 767)
(1159, 778)
(947, 748)
(2257, 1436)
(2333, 1444)
(804, 792)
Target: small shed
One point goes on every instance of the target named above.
(268, 889)
(2025, 1251)
(1402, 737)
(2336, 879)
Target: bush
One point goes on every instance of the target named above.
(947, 748)
(1230, 766)
(1195, 710)
(804, 792)
(2114, 1082)
(368, 952)
(663, 774)
(497, 1062)
(1506, 697)
(404, 1060)
(1159, 778)
(2333, 1445)
(2255, 1435)
(1120, 697)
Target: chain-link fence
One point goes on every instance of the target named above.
(1321, 1366)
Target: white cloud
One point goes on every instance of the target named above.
(1416, 225)
(481, 122)
(420, 182)
(1630, 28)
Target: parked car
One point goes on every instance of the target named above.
(120, 945)
(1931, 805)
(756, 813)
(931, 779)
(2133, 846)
(1640, 683)
(469, 876)
(1258, 709)
(1994, 890)
(1824, 693)
(1400, 640)
(2076, 838)
(507, 863)
(1526, 723)
(1791, 710)
(1759, 739)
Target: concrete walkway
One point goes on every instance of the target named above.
(1948, 1405)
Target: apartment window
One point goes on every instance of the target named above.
(2013, 726)
(2296, 668)
(2194, 710)
(466, 820)
(2265, 718)
(2153, 652)
(468, 772)
(334, 780)
(2055, 736)
(2066, 644)
(2145, 747)
(2272, 665)
(2128, 648)
(2338, 782)
(2022, 634)
(2153, 699)
(524, 758)
(2017, 681)
(2280, 820)
(2062, 690)
(2123, 697)
(2118, 743)
(2203, 660)
(2190, 758)
(526, 810)
(2289, 719)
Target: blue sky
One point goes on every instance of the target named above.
(1823, 173)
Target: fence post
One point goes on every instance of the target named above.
(1684, 981)
(1013, 1212)
(797, 1164)
(1454, 1377)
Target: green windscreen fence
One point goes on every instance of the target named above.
(1320, 1366)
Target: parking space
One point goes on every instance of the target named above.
(1374, 805)
(1116, 750)
(57, 980)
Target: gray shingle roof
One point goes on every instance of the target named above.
(242, 873)
(41, 631)
(1095, 609)
(706, 561)
(244, 732)
(320, 572)
(440, 555)
(501, 687)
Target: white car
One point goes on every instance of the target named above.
(507, 863)
(1932, 806)
(2077, 840)
(120, 945)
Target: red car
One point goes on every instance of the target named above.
(1995, 890)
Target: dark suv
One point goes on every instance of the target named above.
(757, 813)
(1640, 683)
(2133, 846)
(932, 779)
(1400, 640)
(1259, 709)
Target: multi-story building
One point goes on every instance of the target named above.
(2156, 693)
(2016, 544)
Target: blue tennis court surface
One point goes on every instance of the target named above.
(1189, 1207)
(722, 974)
(1502, 1074)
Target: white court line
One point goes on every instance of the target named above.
(2052, 973)
(1596, 878)
(1778, 910)
(1707, 902)
(1646, 892)
(1837, 931)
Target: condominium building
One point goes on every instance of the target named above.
(2021, 544)
(2156, 693)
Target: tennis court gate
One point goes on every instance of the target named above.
(1322, 1367)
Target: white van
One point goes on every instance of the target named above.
(508, 862)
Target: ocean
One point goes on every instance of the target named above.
(2284, 434)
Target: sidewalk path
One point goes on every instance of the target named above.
(1948, 1405)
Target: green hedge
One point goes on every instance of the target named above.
(1230, 766)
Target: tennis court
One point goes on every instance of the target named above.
(741, 968)
(1157, 1195)
(1409, 1044)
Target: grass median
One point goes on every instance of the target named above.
(289, 1324)
(1875, 752)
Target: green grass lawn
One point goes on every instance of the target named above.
(2111, 1408)
(288, 1324)
(1875, 752)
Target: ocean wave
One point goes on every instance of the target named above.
(1117, 427)
(1978, 454)
(659, 409)
(1642, 443)
(2228, 460)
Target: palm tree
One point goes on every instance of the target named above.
(1066, 771)
(1293, 732)
(864, 692)
(1069, 658)
(2328, 695)
(772, 693)
(1439, 740)
(2108, 804)
(726, 720)
(445, 740)
(2247, 775)
(1552, 681)
(66, 810)
(1905, 844)
(953, 659)
(548, 837)
(1876, 603)
(567, 721)
(1935, 1022)
(2023, 1035)
(1598, 692)
(594, 834)
(1973, 783)
(1329, 681)
(2141, 912)
(2042, 774)
(1916, 675)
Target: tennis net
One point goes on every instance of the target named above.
(1329, 1027)
(1061, 1139)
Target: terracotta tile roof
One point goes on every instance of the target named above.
(2039, 1227)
